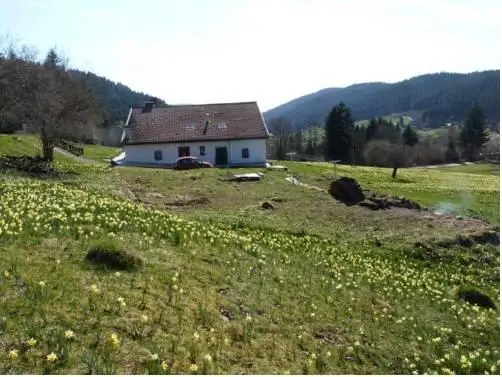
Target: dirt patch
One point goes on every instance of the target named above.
(377, 202)
(154, 195)
(331, 334)
(472, 238)
(180, 201)
(349, 191)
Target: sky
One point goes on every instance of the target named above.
(270, 51)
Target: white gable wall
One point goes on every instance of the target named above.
(145, 153)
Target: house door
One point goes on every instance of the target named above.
(183, 151)
(221, 156)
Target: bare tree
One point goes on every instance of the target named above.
(47, 99)
(385, 154)
(400, 156)
(282, 136)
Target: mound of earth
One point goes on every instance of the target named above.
(349, 191)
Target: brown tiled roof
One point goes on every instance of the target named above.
(169, 124)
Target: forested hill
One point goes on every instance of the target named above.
(116, 98)
(439, 98)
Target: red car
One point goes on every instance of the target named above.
(189, 162)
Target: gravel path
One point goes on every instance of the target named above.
(441, 166)
(82, 160)
(296, 182)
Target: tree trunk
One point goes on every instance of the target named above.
(394, 172)
(47, 148)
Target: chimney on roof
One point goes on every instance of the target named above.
(148, 106)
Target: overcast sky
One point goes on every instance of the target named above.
(271, 51)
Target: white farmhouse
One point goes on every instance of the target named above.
(225, 134)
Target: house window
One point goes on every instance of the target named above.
(245, 153)
(222, 125)
(183, 151)
(157, 155)
(202, 150)
(190, 126)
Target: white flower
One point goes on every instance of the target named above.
(69, 334)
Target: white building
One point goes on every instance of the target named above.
(227, 134)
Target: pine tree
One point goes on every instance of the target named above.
(474, 134)
(410, 137)
(339, 125)
(371, 130)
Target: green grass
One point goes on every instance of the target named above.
(18, 145)
(488, 169)
(394, 118)
(227, 287)
(26, 145)
(22, 144)
(100, 152)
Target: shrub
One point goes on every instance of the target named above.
(110, 255)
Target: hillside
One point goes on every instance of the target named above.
(439, 97)
(116, 98)
(226, 287)
(196, 278)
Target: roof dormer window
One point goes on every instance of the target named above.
(190, 126)
(222, 125)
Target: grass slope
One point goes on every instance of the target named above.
(226, 287)
(21, 144)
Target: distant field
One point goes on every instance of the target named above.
(462, 192)
(489, 169)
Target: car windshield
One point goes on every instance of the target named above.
(186, 160)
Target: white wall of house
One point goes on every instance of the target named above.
(146, 153)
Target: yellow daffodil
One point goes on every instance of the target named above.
(69, 334)
(14, 354)
(193, 368)
(52, 357)
(31, 342)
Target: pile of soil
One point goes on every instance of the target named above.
(349, 191)
(376, 202)
(28, 164)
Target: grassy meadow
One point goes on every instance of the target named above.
(206, 281)
(29, 145)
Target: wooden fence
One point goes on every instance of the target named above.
(74, 148)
